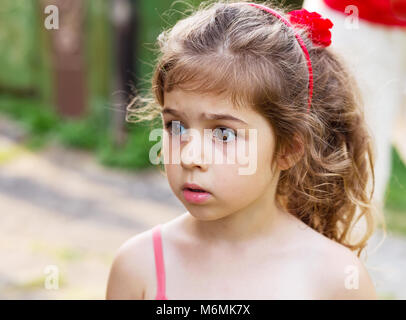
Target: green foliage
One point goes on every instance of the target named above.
(396, 191)
(25, 62)
(395, 196)
(82, 134)
(135, 152)
(33, 115)
(17, 39)
(396, 220)
(93, 132)
(156, 16)
(98, 35)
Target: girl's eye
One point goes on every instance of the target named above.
(174, 127)
(224, 134)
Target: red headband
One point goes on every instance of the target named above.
(318, 30)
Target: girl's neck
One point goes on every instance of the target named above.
(259, 220)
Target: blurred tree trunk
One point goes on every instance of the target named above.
(124, 22)
(68, 60)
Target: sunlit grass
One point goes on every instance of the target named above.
(386, 296)
(61, 253)
(396, 190)
(39, 282)
(395, 205)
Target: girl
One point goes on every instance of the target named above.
(256, 74)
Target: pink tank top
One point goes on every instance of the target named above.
(159, 263)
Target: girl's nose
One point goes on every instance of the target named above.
(192, 155)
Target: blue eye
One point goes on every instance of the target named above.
(175, 125)
(224, 134)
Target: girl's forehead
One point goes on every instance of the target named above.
(195, 103)
(193, 106)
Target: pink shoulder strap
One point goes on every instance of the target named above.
(159, 262)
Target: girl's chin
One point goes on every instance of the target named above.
(204, 214)
(200, 213)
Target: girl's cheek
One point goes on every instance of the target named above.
(170, 148)
(233, 190)
(223, 152)
(235, 151)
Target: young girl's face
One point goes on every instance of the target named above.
(211, 159)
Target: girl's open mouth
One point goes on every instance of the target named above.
(195, 194)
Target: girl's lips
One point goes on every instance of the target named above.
(195, 196)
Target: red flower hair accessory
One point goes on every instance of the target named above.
(317, 26)
(318, 32)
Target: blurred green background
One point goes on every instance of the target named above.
(27, 86)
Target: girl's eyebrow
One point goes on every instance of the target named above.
(203, 115)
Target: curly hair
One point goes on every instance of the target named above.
(231, 48)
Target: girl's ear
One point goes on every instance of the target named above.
(288, 157)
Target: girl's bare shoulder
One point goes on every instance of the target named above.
(349, 278)
(131, 268)
(338, 271)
